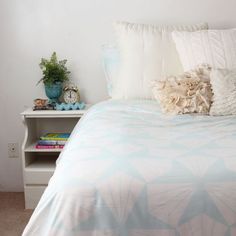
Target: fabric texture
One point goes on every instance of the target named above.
(111, 62)
(147, 53)
(187, 93)
(129, 170)
(214, 47)
(224, 88)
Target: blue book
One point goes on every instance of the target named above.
(51, 142)
(55, 136)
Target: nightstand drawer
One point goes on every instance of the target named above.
(33, 195)
(38, 177)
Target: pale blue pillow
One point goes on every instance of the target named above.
(111, 62)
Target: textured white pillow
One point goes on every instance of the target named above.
(147, 53)
(223, 82)
(214, 47)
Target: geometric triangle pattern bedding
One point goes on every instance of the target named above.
(129, 170)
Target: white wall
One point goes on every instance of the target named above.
(30, 29)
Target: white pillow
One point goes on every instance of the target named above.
(223, 82)
(214, 47)
(147, 53)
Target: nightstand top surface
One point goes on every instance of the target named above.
(30, 113)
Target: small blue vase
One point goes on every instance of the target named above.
(53, 92)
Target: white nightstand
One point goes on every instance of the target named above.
(39, 164)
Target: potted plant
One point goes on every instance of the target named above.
(54, 74)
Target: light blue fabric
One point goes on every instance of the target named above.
(111, 62)
(129, 170)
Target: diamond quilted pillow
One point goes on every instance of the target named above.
(223, 82)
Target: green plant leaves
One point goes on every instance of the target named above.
(53, 70)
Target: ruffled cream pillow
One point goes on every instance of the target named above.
(188, 93)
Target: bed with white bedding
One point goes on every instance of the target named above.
(129, 170)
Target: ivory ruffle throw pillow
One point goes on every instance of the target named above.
(223, 83)
(187, 93)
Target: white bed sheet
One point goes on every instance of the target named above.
(129, 170)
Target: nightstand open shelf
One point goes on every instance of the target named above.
(40, 161)
(39, 164)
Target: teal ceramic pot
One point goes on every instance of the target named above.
(53, 92)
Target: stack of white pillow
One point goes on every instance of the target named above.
(146, 53)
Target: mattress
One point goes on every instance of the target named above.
(129, 170)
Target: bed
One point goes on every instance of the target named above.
(129, 170)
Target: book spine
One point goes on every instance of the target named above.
(51, 142)
(56, 136)
(54, 139)
(49, 146)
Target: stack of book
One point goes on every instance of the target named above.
(52, 140)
